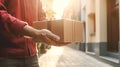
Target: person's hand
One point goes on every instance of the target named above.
(42, 36)
(56, 42)
(54, 39)
(48, 37)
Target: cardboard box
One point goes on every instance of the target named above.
(78, 31)
(68, 30)
(62, 28)
(40, 25)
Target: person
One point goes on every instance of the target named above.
(17, 37)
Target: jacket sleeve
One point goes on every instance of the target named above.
(9, 24)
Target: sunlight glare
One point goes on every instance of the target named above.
(59, 6)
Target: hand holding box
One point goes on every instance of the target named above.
(68, 30)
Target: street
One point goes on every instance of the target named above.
(68, 57)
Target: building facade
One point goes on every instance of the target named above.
(102, 28)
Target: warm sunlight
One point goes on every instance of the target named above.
(58, 7)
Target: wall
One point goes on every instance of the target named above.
(100, 13)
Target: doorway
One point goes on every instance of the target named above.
(112, 25)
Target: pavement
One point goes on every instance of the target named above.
(68, 57)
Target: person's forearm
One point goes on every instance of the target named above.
(29, 31)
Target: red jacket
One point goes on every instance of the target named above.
(13, 13)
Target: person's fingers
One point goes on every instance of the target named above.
(42, 38)
(50, 34)
(53, 36)
(51, 41)
(46, 40)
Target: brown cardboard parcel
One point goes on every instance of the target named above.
(68, 30)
